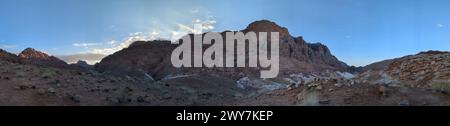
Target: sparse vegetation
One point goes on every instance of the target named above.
(308, 97)
(441, 85)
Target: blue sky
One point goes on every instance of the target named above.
(358, 32)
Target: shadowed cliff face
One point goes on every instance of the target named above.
(140, 58)
(4, 55)
(153, 57)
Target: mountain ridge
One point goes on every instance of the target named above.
(294, 52)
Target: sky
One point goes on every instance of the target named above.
(358, 32)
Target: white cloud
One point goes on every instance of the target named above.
(154, 35)
(112, 42)
(204, 26)
(8, 46)
(439, 25)
(157, 31)
(85, 44)
(88, 57)
(138, 36)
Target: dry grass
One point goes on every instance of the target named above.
(441, 85)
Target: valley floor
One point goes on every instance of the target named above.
(28, 85)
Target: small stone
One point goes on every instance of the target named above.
(404, 103)
(290, 87)
(51, 91)
(22, 87)
(113, 100)
(129, 89)
(75, 98)
(330, 90)
(424, 103)
(319, 87)
(324, 102)
(141, 99)
(166, 96)
(347, 100)
(41, 92)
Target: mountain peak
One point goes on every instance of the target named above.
(433, 52)
(32, 56)
(30, 53)
(266, 26)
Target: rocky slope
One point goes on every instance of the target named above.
(153, 58)
(428, 70)
(31, 85)
(140, 59)
(4, 55)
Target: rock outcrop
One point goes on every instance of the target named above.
(422, 70)
(430, 70)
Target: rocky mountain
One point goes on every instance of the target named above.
(90, 58)
(153, 58)
(33, 57)
(81, 65)
(297, 48)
